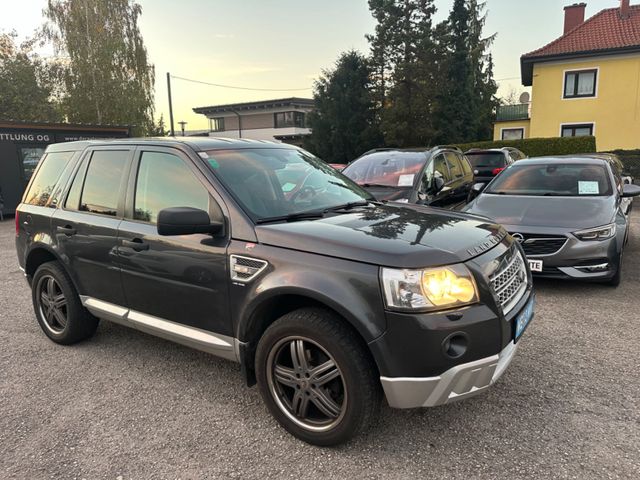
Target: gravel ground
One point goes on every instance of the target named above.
(126, 405)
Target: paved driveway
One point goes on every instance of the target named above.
(129, 405)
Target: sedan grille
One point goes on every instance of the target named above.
(535, 245)
(510, 282)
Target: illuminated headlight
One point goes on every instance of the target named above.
(598, 233)
(429, 289)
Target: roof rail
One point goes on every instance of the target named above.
(374, 150)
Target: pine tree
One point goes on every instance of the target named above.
(108, 78)
(344, 123)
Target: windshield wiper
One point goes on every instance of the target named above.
(348, 206)
(292, 217)
(377, 185)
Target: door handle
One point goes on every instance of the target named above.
(68, 230)
(136, 244)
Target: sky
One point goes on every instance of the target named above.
(285, 44)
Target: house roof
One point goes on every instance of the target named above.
(293, 102)
(603, 34)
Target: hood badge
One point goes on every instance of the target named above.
(490, 243)
(518, 237)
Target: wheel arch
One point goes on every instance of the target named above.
(41, 253)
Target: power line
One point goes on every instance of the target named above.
(509, 78)
(242, 88)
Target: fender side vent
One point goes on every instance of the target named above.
(245, 269)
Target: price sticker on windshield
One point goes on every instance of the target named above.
(406, 180)
(588, 188)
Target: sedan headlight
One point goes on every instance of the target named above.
(429, 289)
(598, 233)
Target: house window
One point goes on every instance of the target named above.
(512, 133)
(289, 119)
(582, 130)
(580, 84)
(216, 124)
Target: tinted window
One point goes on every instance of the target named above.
(552, 179)
(466, 168)
(487, 159)
(102, 183)
(165, 181)
(273, 182)
(455, 168)
(440, 168)
(392, 169)
(73, 198)
(45, 180)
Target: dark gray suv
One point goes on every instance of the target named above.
(262, 254)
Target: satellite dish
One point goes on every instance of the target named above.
(525, 97)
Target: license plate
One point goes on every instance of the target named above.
(525, 316)
(535, 265)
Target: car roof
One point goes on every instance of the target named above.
(486, 150)
(197, 143)
(568, 159)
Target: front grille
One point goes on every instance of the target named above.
(535, 245)
(510, 281)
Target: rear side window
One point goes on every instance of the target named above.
(466, 167)
(99, 190)
(454, 165)
(53, 164)
(440, 168)
(165, 181)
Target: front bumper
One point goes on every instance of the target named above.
(461, 381)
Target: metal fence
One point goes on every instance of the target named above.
(507, 113)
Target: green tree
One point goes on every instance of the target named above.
(404, 57)
(108, 79)
(26, 86)
(344, 123)
(466, 102)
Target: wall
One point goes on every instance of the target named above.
(615, 110)
(499, 126)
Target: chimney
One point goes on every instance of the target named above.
(624, 9)
(574, 15)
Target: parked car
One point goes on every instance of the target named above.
(566, 213)
(324, 296)
(440, 176)
(488, 163)
(338, 166)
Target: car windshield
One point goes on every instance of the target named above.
(486, 159)
(389, 169)
(278, 182)
(552, 179)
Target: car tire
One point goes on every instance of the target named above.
(617, 278)
(58, 308)
(312, 345)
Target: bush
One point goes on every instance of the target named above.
(540, 147)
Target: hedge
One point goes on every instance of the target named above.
(540, 147)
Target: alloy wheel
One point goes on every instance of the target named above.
(52, 304)
(306, 383)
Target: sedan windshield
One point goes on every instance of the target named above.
(552, 179)
(270, 183)
(389, 169)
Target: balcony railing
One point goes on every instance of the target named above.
(513, 112)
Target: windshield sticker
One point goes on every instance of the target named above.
(213, 163)
(406, 180)
(287, 187)
(588, 188)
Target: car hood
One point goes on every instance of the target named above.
(572, 213)
(392, 235)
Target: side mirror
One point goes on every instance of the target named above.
(437, 184)
(186, 221)
(478, 187)
(630, 190)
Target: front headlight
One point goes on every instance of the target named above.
(429, 289)
(598, 233)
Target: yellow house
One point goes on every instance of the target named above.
(587, 82)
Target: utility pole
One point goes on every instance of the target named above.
(173, 133)
(182, 124)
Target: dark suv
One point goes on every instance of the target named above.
(262, 254)
(438, 176)
(487, 164)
